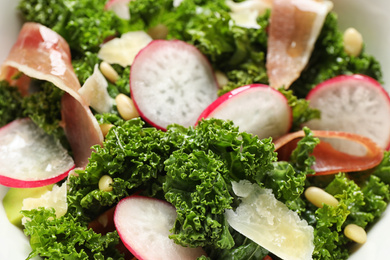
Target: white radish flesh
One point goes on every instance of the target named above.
(143, 225)
(256, 109)
(356, 104)
(29, 157)
(171, 82)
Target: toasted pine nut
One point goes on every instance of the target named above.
(353, 42)
(221, 78)
(126, 107)
(105, 128)
(318, 197)
(355, 233)
(103, 220)
(109, 72)
(105, 183)
(159, 31)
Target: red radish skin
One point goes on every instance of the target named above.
(171, 82)
(328, 159)
(257, 109)
(29, 157)
(143, 225)
(353, 103)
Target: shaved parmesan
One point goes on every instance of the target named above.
(56, 198)
(269, 223)
(94, 92)
(123, 50)
(245, 13)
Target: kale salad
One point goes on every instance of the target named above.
(201, 168)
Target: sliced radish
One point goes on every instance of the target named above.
(256, 109)
(269, 223)
(356, 104)
(330, 160)
(143, 225)
(119, 7)
(31, 158)
(171, 82)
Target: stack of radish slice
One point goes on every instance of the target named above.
(356, 104)
(29, 157)
(171, 82)
(256, 109)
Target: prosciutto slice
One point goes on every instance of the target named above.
(42, 54)
(293, 31)
(328, 159)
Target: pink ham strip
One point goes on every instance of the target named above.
(293, 30)
(42, 54)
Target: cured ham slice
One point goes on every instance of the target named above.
(42, 54)
(293, 31)
(80, 129)
(328, 159)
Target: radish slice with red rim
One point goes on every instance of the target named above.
(354, 103)
(29, 157)
(143, 225)
(330, 160)
(171, 82)
(257, 109)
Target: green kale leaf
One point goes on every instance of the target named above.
(131, 155)
(84, 24)
(10, 103)
(301, 111)
(67, 238)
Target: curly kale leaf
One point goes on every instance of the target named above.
(199, 176)
(44, 107)
(301, 158)
(383, 169)
(67, 238)
(84, 24)
(244, 248)
(197, 186)
(288, 179)
(357, 205)
(301, 111)
(10, 103)
(131, 155)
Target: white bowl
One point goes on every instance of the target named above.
(369, 17)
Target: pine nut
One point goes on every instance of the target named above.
(355, 233)
(109, 72)
(159, 31)
(318, 197)
(126, 107)
(221, 78)
(105, 128)
(105, 183)
(353, 42)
